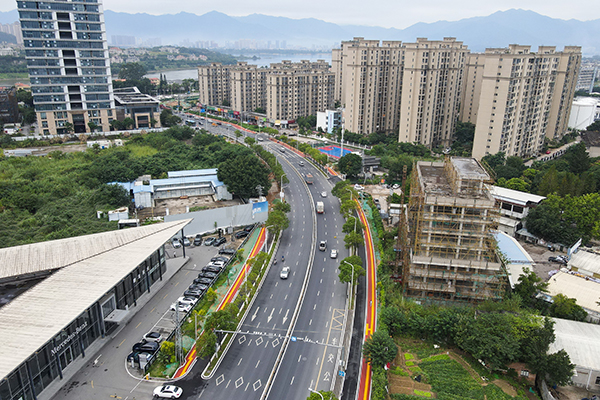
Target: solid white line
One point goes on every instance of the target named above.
(292, 382)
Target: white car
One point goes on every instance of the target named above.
(184, 308)
(186, 300)
(176, 243)
(334, 253)
(323, 194)
(153, 337)
(358, 187)
(168, 392)
(285, 272)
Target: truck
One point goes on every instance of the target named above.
(309, 179)
(320, 207)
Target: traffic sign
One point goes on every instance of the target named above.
(293, 338)
(341, 373)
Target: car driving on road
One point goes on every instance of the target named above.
(168, 392)
(285, 272)
(323, 245)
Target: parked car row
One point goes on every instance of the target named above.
(177, 242)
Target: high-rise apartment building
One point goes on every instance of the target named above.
(285, 90)
(410, 88)
(68, 64)
(516, 98)
(431, 88)
(587, 77)
(451, 215)
(368, 84)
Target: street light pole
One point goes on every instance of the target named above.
(314, 391)
(351, 281)
(350, 193)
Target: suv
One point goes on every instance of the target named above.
(146, 347)
(219, 241)
(211, 268)
(227, 250)
(198, 240)
(323, 245)
(241, 234)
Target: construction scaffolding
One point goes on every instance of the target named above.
(451, 215)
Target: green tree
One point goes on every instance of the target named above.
(132, 71)
(529, 285)
(567, 308)
(278, 220)
(93, 126)
(393, 319)
(350, 165)
(249, 141)
(168, 119)
(260, 110)
(352, 224)
(345, 274)
(69, 127)
(578, 158)
(595, 127)
(168, 349)
(128, 123)
(220, 320)
(560, 370)
(237, 133)
(206, 345)
(326, 396)
(25, 96)
(379, 349)
(243, 174)
(353, 239)
(549, 183)
(348, 207)
(283, 207)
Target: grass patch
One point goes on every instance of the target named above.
(420, 348)
(410, 363)
(415, 370)
(399, 371)
(14, 75)
(408, 356)
(141, 151)
(422, 393)
(398, 396)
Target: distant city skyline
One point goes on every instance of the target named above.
(384, 13)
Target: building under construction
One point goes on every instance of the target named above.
(450, 218)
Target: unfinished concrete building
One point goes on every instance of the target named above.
(451, 216)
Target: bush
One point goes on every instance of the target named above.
(422, 393)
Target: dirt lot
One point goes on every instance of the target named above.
(180, 206)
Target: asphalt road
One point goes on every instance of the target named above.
(109, 377)
(323, 314)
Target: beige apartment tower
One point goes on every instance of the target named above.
(452, 251)
(368, 79)
(516, 98)
(432, 82)
(410, 89)
(285, 90)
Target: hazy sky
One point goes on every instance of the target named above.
(386, 13)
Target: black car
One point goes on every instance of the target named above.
(219, 241)
(219, 258)
(212, 268)
(146, 347)
(203, 281)
(199, 287)
(227, 250)
(192, 293)
(198, 240)
(241, 234)
(207, 274)
(248, 228)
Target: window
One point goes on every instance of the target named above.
(598, 380)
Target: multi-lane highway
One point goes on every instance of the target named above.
(265, 364)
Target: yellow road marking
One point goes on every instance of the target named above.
(137, 326)
(121, 343)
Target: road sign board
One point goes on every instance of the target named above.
(341, 373)
(293, 338)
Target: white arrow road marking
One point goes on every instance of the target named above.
(270, 316)
(286, 315)
(255, 312)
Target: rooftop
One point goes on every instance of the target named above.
(586, 262)
(516, 256)
(132, 96)
(469, 168)
(515, 196)
(585, 291)
(32, 319)
(580, 340)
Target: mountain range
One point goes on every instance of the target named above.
(496, 30)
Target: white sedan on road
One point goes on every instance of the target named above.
(168, 392)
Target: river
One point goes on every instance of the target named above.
(179, 75)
